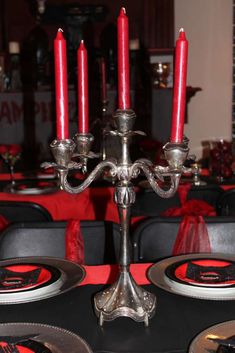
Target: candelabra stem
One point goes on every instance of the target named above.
(125, 254)
(125, 297)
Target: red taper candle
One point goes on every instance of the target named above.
(83, 101)
(179, 91)
(61, 86)
(103, 80)
(123, 60)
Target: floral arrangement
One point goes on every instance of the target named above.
(10, 153)
(221, 159)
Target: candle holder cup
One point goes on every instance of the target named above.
(125, 298)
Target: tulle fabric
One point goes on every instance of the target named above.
(192, 236)
(3, 223)
(74, 242)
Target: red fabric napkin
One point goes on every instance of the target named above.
(74, 242)
(3, 223)
(192, 236)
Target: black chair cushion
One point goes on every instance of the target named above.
(154, 238)
(149, 204)
(22, 211)
(226, 203)
(101, 240)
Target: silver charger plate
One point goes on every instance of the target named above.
(31, 188)
(55, 339)
(70, 275)
(204, 341)
(157, 275)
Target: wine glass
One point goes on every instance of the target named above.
(161, 72)
(11, 154)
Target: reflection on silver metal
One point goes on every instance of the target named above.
(125, 297)
(124, 119)
(83, 143)
(175, 154)
(83, 146)
(196, 175)
(62, 151)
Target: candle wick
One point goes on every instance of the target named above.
(60, 30)
(181, 30)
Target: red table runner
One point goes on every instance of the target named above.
(107, 274)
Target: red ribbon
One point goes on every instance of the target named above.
(74, 243)
(3, 223)
(192, 236)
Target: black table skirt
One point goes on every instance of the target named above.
(177, 320)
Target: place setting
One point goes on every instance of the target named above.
(218, 338)
(38, 338)
(32, 187)
(202, 276)
(30, 279)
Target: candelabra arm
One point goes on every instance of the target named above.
(63, 173)
(154, 176)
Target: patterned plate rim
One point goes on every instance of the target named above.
(210, 330)
(43, 332)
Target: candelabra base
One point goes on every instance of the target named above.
(125, 298)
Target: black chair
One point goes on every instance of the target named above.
(154, 238)
(101, 240)
(149, 204)
(22, 211)
(226, 203)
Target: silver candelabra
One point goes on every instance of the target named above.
(124, 297)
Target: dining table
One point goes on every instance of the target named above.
(95, 202)
(177, 321)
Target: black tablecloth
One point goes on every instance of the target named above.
(177, 320)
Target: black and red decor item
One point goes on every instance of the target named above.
(26, 277)
(22, 337)
(29, 279)
(199, 275)
(203, 272)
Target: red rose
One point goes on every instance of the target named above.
(3, 149)
(14, 150)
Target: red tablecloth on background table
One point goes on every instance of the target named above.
(93, 203)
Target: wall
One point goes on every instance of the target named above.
(208, 26)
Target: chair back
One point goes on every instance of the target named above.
(22, 211)
(101, 240)
(149, 204)
(226, 203)
(154, 238)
